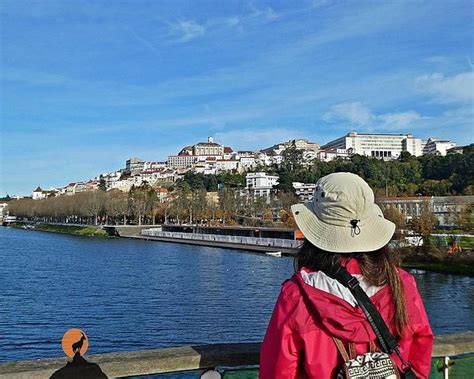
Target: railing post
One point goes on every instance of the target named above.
(446, 368)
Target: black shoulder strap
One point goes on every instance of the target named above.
(387, 341)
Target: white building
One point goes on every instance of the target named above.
(154, 176)
(39, 194)
(274, 153)
(246, 162)
(226, 165)
(154, 166)
(305, 191)
(109, 177)
(260, 183)
(299, 144)
(150, 176)
(3, 210)
(446, 209)
(437, 147)
(181, 161)
(126, 184)
(71, 189)
(134, 166)
(189, 156)
(327, 155)
(385, 146)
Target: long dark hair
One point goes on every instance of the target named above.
(378, 267)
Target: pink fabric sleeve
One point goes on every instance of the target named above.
(281, 347)
(422, 344)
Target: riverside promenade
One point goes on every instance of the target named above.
(285, 246)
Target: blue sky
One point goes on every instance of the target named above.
(87, 84)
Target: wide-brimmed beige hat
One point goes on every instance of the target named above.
(343, 217)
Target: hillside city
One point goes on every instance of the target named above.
(212, 184)
(211, 158)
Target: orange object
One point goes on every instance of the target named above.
(299, 235)
(75, 341)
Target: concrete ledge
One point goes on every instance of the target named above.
(142, 362)
(453, 344)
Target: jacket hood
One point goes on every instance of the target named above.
(334, 309)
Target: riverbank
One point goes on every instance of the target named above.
(451, 268)
(437, 259)
(76, 230)
(452, 265)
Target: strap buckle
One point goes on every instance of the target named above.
(352, 282)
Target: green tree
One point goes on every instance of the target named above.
(102, 184)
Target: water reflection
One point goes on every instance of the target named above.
(449, 300)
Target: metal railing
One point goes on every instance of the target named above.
(186, 358)
(255, 241)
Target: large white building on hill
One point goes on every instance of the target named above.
(260, 183)
(190, 155)
(437, 146)
(386, 146)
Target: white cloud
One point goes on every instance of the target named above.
(355, 113)
(439, 59)
(186, 30)
(319, 3)
(457, 88)
(232, 21)
(267, 13)
(399, 120)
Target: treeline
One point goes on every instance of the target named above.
(139, 206)
(142, 206)
(428, 175)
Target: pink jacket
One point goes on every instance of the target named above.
(300, 345)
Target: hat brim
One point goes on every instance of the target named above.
(373, 232)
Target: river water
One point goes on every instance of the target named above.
(130, 294)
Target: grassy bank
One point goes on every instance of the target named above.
(89, 231)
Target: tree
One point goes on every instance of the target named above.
(424, 224)
(391, 213)
(94, 204)
(198, 205)
(102, 184)
(466, 219)
(292, 159)
(142, 200)
(117, 206)
(229, 201)
(433, 187)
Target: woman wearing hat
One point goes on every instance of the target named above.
(343, 226)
